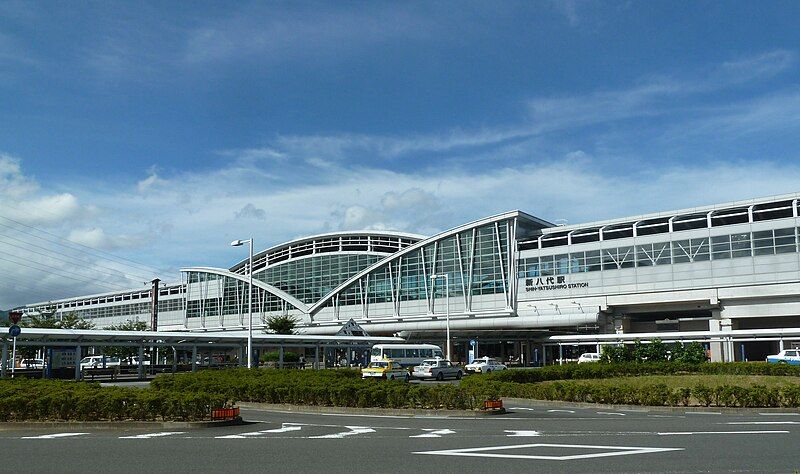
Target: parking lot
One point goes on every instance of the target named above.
(552, 438)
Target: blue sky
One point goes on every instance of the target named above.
(158, 132)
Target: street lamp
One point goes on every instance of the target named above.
(239, 243)
(447, 289)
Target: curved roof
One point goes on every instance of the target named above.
(535, 221)
(321, 243)
(257, 283)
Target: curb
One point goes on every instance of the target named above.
(529, 403)
(118, 424)
(408, 412)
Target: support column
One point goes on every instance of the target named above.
(4, 365)
(349, 355)
(316, 357)
(194, 358)
(280, 356)
(242, 360)
(78, 362)
(560, 355)
(174, 360)
(718, 347)
(141, 363)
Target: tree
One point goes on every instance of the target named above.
(282, 324)
(49, 321)
(125, 352)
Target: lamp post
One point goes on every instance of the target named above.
(238, 243)
(447, 305)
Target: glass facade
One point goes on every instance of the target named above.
(747, 244)
(310, 279)
(475, 261)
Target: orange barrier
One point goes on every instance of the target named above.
(224, 413)
(493, 404)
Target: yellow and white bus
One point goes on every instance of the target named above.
(406, 354)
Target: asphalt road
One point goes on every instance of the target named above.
(541, 438)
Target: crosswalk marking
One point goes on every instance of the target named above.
(54, 436)
(354, 430)
(153, 435)
(516, 433)
(433, 433)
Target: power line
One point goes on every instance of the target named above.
(74, 244)
(116, 273)
(69, 275)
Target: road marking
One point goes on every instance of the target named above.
(153, 435)
(610, 451)
(779, 414)
(763, 423)
(610, 413)
(515, 433)
(433, 433)
(703, 413)
(354, 430)
(670, 433)
(285, 427)
(521, 408)
(560, 411)
(54, 436)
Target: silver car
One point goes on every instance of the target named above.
(438, 369)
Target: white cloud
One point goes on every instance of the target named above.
(249, 211)
(150, 182)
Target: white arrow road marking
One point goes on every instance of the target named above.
(354, 430)
(610, 413)
(432, 433)
(285, 427)
(53, 436)
(717, 432)
(522, 433)
(560, 411)
(153, 435)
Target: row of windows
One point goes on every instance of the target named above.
(661, 225)
(747, 244)
(126, 310)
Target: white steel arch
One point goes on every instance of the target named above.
(257, 283)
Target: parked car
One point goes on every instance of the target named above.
(589, 357)
(438, 369)
(385, 369)
(786, 356)
(93, 362)
(484, 366)
(32, 363)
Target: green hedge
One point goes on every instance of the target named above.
(342, 387)
(633, 369)
(42, 400)
(653, 394)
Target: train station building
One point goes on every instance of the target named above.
(514, 285)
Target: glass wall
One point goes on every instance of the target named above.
(768, 242)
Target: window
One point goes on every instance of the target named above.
(763, 243)
(546, 266)
(644, 255)
(577, 264)
(699, 249)
(681, 251)
(785, 241)
(740, 245)
(593, 261)
(721, 247)
(562, 264)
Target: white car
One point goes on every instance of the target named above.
(32, 363)
(438, 369)
(786, 356)
(94, 362)
(589, 357)
(484, 366)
